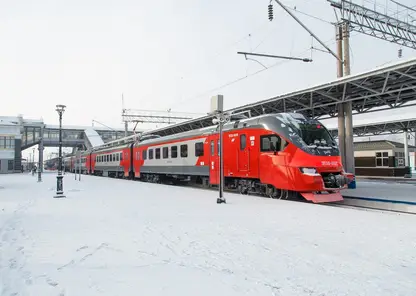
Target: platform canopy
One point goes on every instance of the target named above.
(387, 87)
(381, 128)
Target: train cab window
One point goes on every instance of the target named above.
(174, 151)
(270, 143)
(150, 153)
(199, 149)
(243, 142)
(165, 152)
(184, 150)
(157, 153)
(144, 154)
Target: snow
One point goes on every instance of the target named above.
(120, 237)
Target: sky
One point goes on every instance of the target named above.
(165, 55)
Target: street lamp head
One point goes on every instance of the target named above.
(60, 108)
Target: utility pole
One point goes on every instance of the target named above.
(341, 115)
(349, 134)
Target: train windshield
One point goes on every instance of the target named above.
(315, 135)
(311, 136)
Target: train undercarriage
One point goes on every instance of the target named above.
(239, 185)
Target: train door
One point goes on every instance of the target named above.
(243, 154)
(214, 160)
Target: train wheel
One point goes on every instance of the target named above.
(242, 189)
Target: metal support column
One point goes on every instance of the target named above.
(349, 135)
(406, 150)
(341, 118)
(40, 158)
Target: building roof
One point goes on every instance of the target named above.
(380, 144)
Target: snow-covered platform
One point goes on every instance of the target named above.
(119, 237)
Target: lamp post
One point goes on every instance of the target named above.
(33, 161)
(59, 179)
(221, 118)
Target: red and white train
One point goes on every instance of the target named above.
(277, 155)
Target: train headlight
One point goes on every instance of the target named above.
(309, 171)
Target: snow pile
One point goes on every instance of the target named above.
(119, 237)
(93, 137)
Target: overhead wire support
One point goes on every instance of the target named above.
(306, 60)
(309, 31)
(373, 23)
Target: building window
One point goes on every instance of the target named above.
(165, 152)
(270, 143)
(399, 159)
(174, 151)
(6, 143)
(199, 149)
(184, 150)
(11, 165)
(382, 159)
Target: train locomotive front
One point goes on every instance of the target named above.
(305, 159)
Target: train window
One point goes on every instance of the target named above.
(118, 157)
(174, 151)
(218, 148)
(157, 153)
(184, 150)
(150, 153)
(199, 149)
(165, 152)
(121, 156)
(144, 154)
(270, 143)
(107, 158)
(112, 157)
(212, 148)
(243, 142)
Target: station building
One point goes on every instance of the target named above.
(10, 145)
(383, 158)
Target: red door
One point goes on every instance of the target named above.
(214, 172)
(243, 154)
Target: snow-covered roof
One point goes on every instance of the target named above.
(93, 137)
